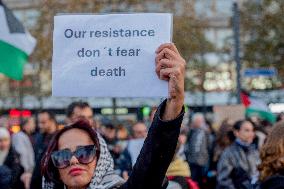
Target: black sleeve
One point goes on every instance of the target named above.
(36, 181)
(156, 154)
(13, 163)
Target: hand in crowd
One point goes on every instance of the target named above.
(26, 179)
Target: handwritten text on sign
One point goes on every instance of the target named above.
(108, 55)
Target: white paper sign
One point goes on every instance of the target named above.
(108, 55)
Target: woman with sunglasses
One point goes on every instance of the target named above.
(75, 159)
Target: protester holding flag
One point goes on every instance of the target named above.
(16, 44)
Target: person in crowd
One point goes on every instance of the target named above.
(82, 110)
(224, 138)
(128, 157)
(78, 110)
(182, 141)
(74, 161)
(10, 167)
(48, 127)
(120, 162)
(197, 148)
(139, 130)
(109, 135)
(179, 171)
(178, 166)
(272, 159)
(237, 166)
(23, 146)
(122, 133)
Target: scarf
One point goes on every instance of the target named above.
(244, 145)
(104, 176)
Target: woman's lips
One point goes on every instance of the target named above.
(76, 171)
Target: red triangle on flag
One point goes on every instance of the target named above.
(245, 99)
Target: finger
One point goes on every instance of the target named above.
(166, 53)
(165, 74)
(166, 63)
(162, 64)
(158, 68)
(169, 46)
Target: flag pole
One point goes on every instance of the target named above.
(236, 30)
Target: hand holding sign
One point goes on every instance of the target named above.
(170, 66)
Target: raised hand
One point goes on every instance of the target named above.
(170, 66)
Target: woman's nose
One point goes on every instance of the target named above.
(73, 160)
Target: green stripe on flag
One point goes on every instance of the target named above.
(12, 61)
(262, 114)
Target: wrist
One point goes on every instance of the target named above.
(177, 102)
(173, 109)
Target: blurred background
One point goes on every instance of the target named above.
(227, 49)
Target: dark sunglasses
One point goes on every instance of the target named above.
(84, 154)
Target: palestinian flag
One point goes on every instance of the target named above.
(257, 107)
(16, 44)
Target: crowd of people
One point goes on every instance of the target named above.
(244, 154)
(167, 154)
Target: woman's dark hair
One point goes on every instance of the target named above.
(48, 170)
(237, 126)
(224, 135)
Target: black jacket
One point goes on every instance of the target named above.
(273, 182)
(11, 171)
(236, 165)
(156, 154)
(41, 144)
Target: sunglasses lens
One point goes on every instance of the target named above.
(61, 158)
(85, 154)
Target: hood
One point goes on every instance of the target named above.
(178, 167)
